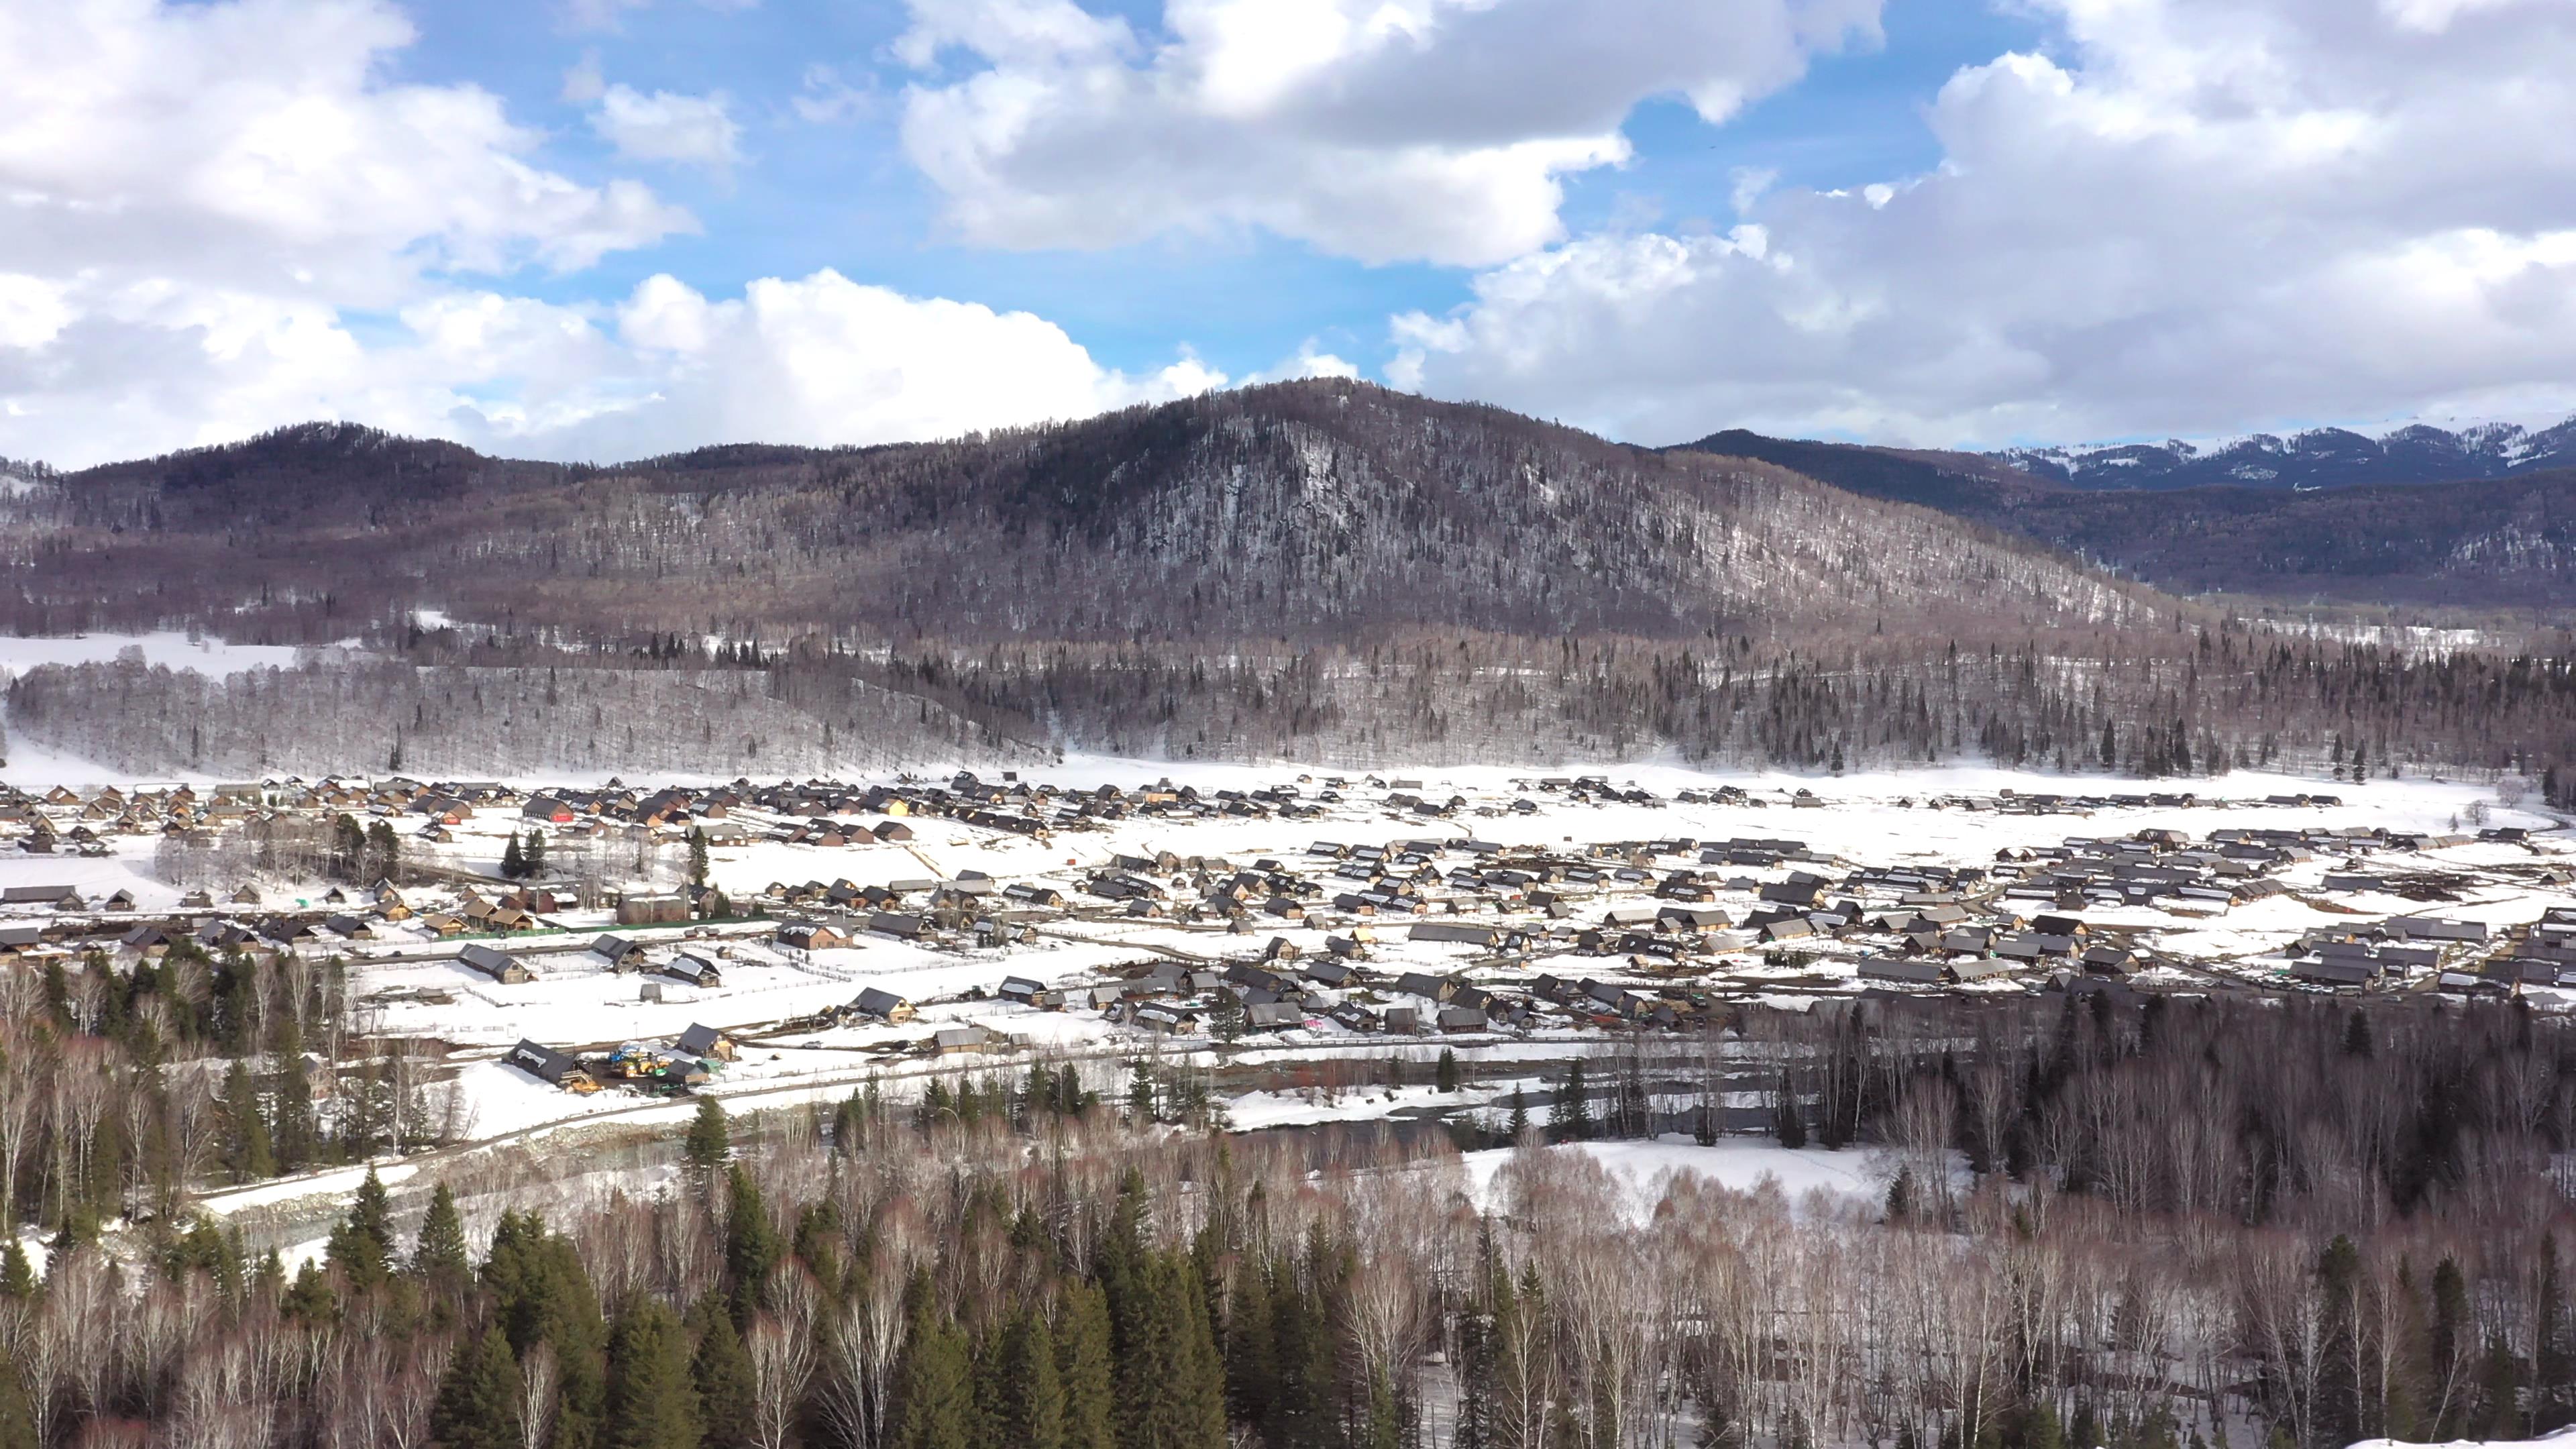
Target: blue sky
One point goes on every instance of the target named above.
(842, 194)
(599, 228)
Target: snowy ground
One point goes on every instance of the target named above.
(1852, 1177)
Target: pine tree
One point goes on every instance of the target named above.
(17, 1416)
(652, 1404)
(439, 1254)
(721, 1373)
(1517, 1126)
(1445, 1075)
(478, 1401)
(17, 1275)
(710, 1139)
(1031, 1399)
(361, 1247)
(697, 856)
(535, 854)
(1082, 1363)
(384, 852)
(514, 861)
(541, 1294)
(935, 1395)
(1572, 1121)
(247, 1149)
(752, 1247)
(298, 1134)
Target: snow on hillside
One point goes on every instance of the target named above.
(169, 649)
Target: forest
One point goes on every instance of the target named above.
(2134, 1221)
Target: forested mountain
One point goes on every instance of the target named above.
(1321, 570)
(1311, 511)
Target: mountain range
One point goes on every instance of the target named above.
(2335, 517)
(2318, 458)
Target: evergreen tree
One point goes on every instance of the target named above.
(361, 1247)
(2356, 1034)
(935, 1394)
(1445, 1075)
(652, 1402)
(535, 854)
(541, 1294)
(384, 853)
(439, 1254)
(247, 1149)
(298, 1133)
(1082, 1362)
(1572, 1121)
(514, 861)
(17, 1275)
(721, 1373)
(697, 856)
(710, 1138)
(752, 1247)
(17, 1416)
(1517, 1126)
(478, 1401)
(1031, 1401)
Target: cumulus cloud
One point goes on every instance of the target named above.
(2209, 215)
(1375, 129)
(210, 233)
(682, 130)
(825, 360)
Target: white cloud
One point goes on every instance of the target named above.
(818, 360)
(611, 14)
(825, 360)
(194, 209)
(1376, 129)
(683, 130)
(2212, 214)
(825, 97)
(1310, 361)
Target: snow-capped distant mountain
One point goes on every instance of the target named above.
(2319, 458)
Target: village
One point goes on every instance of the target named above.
(578, 942)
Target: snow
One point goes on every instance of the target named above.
(1848, 1177)
(2559, 1439)
(168, 649)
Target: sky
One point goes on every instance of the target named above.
(606, 229)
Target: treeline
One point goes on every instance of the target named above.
(2178, 706)
(2105, 1221)
(383, 717)
(126, 1090)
